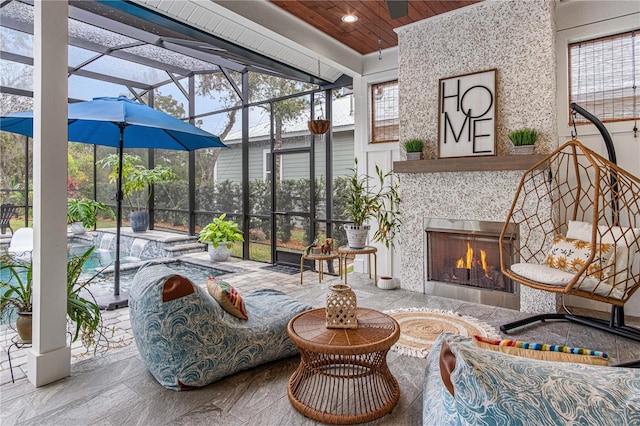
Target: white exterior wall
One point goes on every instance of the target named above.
(583, 20)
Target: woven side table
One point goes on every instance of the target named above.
(343, 377)
(345, 252)
(320, 258)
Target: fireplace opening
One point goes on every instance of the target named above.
(467, 253)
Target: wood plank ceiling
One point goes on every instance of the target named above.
(373, 22)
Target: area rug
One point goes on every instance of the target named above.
(420, 327)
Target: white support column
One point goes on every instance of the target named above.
(50, 357)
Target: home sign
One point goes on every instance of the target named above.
(467, 115)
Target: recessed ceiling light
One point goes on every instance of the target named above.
(349, 19)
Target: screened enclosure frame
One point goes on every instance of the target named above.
(179, 53)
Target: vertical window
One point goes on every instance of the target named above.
(603, 77)
(384, 112)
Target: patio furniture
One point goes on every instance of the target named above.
(343, 377)
(492, 387)
(589, 246)
(21, 244)
(320, 258)
(186, 338)
(6, 213)
(347, 252)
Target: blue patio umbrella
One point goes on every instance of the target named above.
(121, 123)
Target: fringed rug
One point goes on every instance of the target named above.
(420, 327)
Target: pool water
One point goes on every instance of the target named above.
(103, 283)
(195, 273)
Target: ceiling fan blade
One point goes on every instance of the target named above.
(397, 8)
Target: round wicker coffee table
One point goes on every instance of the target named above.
(343, 377)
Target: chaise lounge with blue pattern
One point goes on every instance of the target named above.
(187, 340)
(469, 385)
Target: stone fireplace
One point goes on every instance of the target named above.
(463, 259)
(454, 191)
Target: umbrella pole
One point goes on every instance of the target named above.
(119, 197)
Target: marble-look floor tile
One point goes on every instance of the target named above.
(14, 410)
(117, 389)
(92, 408)
(205, 415)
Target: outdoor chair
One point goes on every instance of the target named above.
(6, 213)
(590, 244)
(21, 244)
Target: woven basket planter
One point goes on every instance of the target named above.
(341, 307)
(318, 127)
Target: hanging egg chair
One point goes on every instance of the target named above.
(578, 216)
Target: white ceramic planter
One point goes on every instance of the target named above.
(357, 235)
(220, 254)
(77, 229)
(387, 283)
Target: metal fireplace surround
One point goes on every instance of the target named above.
(462, 261)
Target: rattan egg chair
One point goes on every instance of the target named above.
(578, 216)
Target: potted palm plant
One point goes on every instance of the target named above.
(523, 140)
(16, 293)
(136, 178)
(83, 214)
(378, 200)
(220, 236)
(413, 148)
(16, 296)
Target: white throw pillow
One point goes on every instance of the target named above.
(579, 230)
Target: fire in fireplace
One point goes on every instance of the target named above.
(466, 253)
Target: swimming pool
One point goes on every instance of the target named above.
(103, 283)
(195, 273)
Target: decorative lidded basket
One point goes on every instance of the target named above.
(341, 307)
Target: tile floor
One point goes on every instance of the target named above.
(116, 389)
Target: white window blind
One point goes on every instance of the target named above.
(385, 122)
(603, 77)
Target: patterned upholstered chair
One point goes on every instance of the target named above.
(473, 385)
(187, 340)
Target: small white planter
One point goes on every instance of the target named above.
(77, 229)
(220, 254)
(523, 150)
(414, 156)
(357, 235)
(387, 283)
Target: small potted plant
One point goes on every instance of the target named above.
(16, 293)
(220, 236)
(82, 214)
(16, 296)
(136, 178)
(523, 140)
(413, 148)
(378, 200)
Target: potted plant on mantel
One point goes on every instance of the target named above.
(220, 236)
(82, 214)
(523, 141)
(413, 148)
(16, 296)
(135, 179)
(379, 201)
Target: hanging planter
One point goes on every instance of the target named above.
(319, 127)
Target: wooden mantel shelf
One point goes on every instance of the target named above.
(468, 164)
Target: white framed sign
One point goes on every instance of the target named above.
(467, 115)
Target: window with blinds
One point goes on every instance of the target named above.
(603, 77)
(385, 120)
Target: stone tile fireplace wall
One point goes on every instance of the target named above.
(477, 195)
(518, 39)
